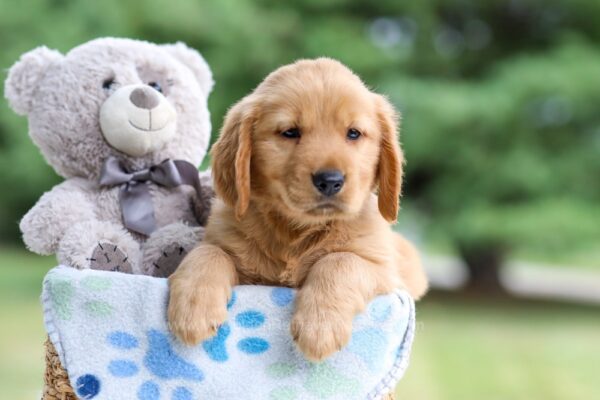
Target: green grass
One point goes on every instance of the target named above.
(503, 350)
(464, 349)
(22, 330)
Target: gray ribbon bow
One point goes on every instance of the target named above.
(134, 195)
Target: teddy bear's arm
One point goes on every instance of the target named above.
(201, 204)
(46, 223)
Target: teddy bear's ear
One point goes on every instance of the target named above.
(194, 61)
(24, 77)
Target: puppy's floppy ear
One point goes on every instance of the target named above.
(231, 156)
(25, 75)
(389, 169)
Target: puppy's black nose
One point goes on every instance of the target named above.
(328, 182)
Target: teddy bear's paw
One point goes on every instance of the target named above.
(168, 261)
(109, 257)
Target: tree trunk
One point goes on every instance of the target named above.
(484, 263)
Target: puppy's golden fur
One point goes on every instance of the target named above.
(270, 225)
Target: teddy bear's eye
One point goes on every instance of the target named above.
(108, 84)
(156, 86)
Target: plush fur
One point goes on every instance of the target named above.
(271, 225)
(62, 96)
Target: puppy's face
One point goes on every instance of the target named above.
(311, 141)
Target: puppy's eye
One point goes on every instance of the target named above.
(108, 84)
(353, 134)
(156, 86)
(293, 133)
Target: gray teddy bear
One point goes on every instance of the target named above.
(126, 123)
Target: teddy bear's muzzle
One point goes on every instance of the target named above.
(145, 98)
(137, 119)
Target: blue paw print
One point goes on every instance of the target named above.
(151, 391)
(160, 360)
(370, 343)
(216, 347)
(251, 319)
(282, 296)
(87, 386)
(162, 363)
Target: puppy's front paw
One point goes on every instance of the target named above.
(320, 334)
(194, 317)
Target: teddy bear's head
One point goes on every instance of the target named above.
(135, 100)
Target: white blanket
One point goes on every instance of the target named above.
(110, 331)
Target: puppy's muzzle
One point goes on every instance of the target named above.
(328, 182)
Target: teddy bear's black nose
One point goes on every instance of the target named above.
(328, 182)
(144, 97)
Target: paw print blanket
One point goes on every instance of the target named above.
(110, 330)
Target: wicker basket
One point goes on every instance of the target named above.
(56, 380)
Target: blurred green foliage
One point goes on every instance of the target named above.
(499, 98)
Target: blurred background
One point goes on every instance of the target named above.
(501, 130)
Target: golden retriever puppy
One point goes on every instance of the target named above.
(295, 170)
